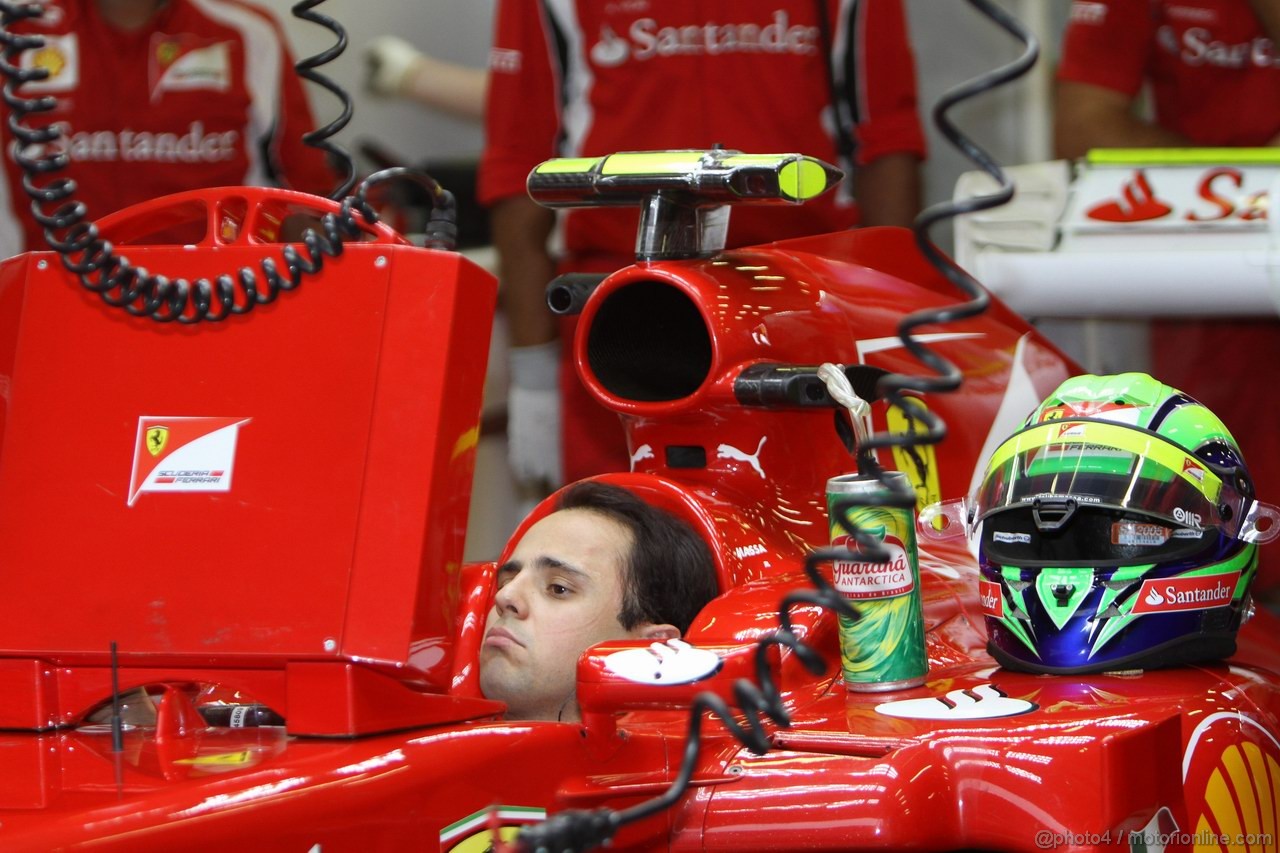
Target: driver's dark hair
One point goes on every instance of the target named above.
(669, 575)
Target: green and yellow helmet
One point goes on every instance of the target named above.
(1118, 530)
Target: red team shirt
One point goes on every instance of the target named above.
(594, 77)
(1215, 79)
(1215, 75)
(204, 95)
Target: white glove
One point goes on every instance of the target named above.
(533, 415)
(390, 59)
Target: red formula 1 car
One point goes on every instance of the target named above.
(235, 612)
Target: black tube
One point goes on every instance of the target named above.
(568, 293)
(785, 386)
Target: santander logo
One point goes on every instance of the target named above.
(1137, 203)
(990, 598)
(1170, 595)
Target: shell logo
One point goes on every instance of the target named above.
(50, 59)
(1231, 775)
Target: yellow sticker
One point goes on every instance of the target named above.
(221, 759)
(482, 842)
(920, 464)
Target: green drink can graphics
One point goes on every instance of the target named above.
(885, 649)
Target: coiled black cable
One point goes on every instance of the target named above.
(306, 68)
(583, 830)
(118, 282)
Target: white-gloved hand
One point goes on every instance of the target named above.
(390, 59)
(533, 415)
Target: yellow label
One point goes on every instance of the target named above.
(652, 163)
(1184, 156)
(221, 759)
(567, 164)
(157, 438)
(482, 842)
(920, 464)
(802, 179)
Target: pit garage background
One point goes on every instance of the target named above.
(951, 43)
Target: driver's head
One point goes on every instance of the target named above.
(604, 566)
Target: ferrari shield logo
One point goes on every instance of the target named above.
(183, 454)
(157, 438)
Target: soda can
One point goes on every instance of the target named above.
(884, 649)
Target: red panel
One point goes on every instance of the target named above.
(337, 533)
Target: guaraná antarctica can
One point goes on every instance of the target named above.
(884, 649)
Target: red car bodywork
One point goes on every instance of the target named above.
(326, 581)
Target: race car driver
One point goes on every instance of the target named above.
(585, 79)
(159, 96)
(604, 566)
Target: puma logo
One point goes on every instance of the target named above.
(642, 453)
(728, 451)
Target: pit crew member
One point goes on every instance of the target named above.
(834, 80)
(1214, 76)
(160, 96)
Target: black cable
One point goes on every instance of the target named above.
(583, 830)
(118, 282)
(306, 68)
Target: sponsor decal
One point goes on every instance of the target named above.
(1172, 198)
(672, 662)
(991, 598)
(184, 454)
(221, 759)
(984, 702)
(645, 39)
(1171, 595)
(1191, 469)
(1137, 203)
(860, 580)
(505, 61)
(187, 63)
(921, 463)
(1197, 47)
(1091, 14)
(728, 451)
(1070, 431)
(1187, 517)
(60, 56)
(643, 452)
(196, 145)
(477, 832)
(1124, 413)
(1011, 538)
(1231, 782)
(1139, 533)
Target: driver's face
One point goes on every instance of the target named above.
(558, 595)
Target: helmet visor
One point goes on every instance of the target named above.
(1108, 466)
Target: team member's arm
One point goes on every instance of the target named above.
(882, 95)
(521, 228)
(1105, 52)
(889, 190)
(1088, 116)
(521, 125)
(399, 69)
